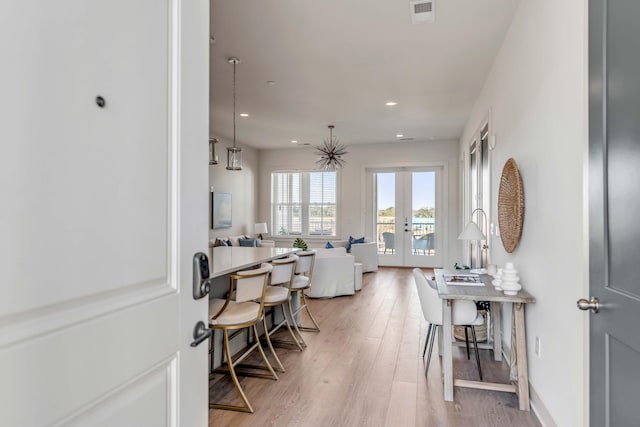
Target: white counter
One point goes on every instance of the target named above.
(229, 259)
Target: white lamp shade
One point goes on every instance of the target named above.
(472, 232)
(260, 228)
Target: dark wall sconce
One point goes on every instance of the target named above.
(213, 156)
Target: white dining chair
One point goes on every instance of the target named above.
(463, 313)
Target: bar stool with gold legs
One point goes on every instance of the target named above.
(302, 282)
(279, 294)
(243, 312)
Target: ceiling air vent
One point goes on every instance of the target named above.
(422, 11)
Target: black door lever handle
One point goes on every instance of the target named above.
(200, 333)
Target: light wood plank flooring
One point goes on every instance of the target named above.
(365, 369)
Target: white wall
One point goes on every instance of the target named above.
(353, 207)
(537, 97)
(242, 186)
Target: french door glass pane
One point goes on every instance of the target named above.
(386, 212)
(423, 213)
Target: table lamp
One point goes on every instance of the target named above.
(260, 228)
(472, 231)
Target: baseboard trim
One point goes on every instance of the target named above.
(537, 405)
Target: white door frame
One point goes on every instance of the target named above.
(484, 194)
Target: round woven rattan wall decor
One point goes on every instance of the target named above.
(510, 206)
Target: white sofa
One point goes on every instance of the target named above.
(364, 253)
(235, 241)
(333, 274)
(321, 244)
(367, 254)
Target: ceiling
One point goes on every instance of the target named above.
(338, 62)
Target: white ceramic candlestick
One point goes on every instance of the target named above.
(510, 280)
(497, 280)
(492, 269)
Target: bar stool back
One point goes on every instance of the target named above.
(243, 312)
(301, 282)
(282, 277)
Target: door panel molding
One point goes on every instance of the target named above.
(153, 388)
(89, 160)
(99, 365)
(23, 326)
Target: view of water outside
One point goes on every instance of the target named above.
(422, 210)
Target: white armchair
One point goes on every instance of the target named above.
(367, 254)
(333, 274)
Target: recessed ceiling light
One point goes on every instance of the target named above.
(293, 141)
(271, 82)
(399, 135)
(391, 103)
(244, 114)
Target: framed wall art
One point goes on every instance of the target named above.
(220, 210)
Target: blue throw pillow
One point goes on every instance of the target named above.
(328, 245)
(352, 241)
(227, 242)
(251, 243)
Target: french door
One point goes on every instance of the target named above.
(407, 215)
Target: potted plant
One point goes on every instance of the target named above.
(301, 244)
(461, 267)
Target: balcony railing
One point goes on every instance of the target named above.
(418, 229)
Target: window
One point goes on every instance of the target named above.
(480, 190)
(303, 203)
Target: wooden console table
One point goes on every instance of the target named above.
(520, 376)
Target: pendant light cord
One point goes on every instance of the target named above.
(234, 104)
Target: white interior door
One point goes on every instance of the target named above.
(408, 217)
(104, 183)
